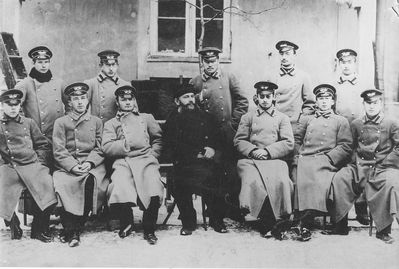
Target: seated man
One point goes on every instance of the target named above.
(134, 140)
(264, 138)
(322, 146)
(23, 151)
(190, 142)
(377, 159)
(79, 180)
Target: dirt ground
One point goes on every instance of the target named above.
(241, 247)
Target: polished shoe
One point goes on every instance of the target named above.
(16, 231)
(219, 227)
(64, 236)
(42, 237)
(337, 231)
(74, 241)
(278, 234)
(150, 238)
(184, 231)
(306, 235)
(363, 219)
(126, 231)
(385, 237)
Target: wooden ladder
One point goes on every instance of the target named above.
(12, 65)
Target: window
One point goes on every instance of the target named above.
(176, 27)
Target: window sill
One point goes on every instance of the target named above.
(182, 59)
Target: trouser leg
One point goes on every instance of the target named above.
(266, 217)
(184, 202)
(41, 219)
(88, 200)
(150, 216)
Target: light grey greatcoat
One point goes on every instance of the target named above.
(23, 149)
(265, 178)
(323, 146)
(134, 140)
(76, 140)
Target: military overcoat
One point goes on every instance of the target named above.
(23, 149)
(134, 140)
(265, 178)
(77, 140)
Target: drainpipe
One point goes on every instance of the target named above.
(379, 44)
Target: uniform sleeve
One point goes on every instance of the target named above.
(155, 132)
(343, 150)
(308, 97)
(40, 142)
(168, 141)
(392, 159)
(239, 101)
(285, 145)
(300, 133)
(113, 146)
(241, 139)
(61, 155)
(96, 156)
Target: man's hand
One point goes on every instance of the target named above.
(260, 154)
(77, 170)
(209, 153)
(86, 167)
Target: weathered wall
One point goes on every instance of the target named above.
(77, 30)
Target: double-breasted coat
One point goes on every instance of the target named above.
(269, 130)
(223, 98)
(134, 140)
(294, 95)
(23, 149)
(377, 162)
(102, 95)
(43, 102)
(77, 139)
(323, 145)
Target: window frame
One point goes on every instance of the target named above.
(189, 54)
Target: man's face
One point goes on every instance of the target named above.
(109, 68)
(127, 103)
(79, 103)
(41, 65)
(348, 65)
(287, 58)
(211, 64)
(324, 102)
(11, 110)
(186, 101)
(266, 99)
(373, 106)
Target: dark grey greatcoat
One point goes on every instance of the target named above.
(265, 178)
(323, 146)
(77, 140)
(134, 140)
(23, 149)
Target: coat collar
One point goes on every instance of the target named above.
(271, 111)
(325, 114)
(122, 114)
(101, 77)
(79, 117)
(284, 71)
(5, 118)
(353, 79)
(376, 120)
(216, 75)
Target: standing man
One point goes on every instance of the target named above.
(133, 139)
(349, 104)
(192, 143)
(43, 99)
(323, 145)
(294, 94)
(377, 161)
(103, 86)
(220, 94)
(264, 138)
(80, 181)
(23, 150)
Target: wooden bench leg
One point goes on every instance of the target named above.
(203, 214)
(371, 226)
(169, 213)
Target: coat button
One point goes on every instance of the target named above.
(321, 143)
(221, 108)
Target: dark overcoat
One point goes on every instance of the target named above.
(23, 149)
(77, 140)
(323, 145)
(265, 178)
(134, 140)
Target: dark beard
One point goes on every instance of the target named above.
(41, 77)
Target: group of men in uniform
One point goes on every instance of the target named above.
(85, 145)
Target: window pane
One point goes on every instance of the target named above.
(208, 11)
(171, 8)
(213, 34)
(171, 35)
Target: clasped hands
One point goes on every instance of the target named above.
(259, 154)
(208, 153)
(81, 169)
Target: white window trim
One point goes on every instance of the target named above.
(190, 42)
